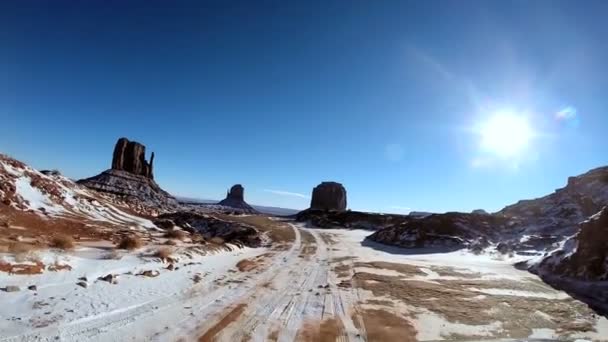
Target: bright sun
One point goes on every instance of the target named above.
(505, 134)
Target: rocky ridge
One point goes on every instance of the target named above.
(527, 227)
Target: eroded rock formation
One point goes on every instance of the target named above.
(237, 193)
(328, 196)
(130, 156)
(235, 198)
(131, 179)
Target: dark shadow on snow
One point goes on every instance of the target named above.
(407, 251)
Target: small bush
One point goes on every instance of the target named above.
(170, 243)
(64, 242)
(19, 248)
(22, 251)
(163, 253)
(176, 234)
(130, 243)
(217, 240)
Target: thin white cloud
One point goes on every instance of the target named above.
(286, 193)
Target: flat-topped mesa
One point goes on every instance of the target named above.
(130, 156)
(329, 196)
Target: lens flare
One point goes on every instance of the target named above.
(566, 114)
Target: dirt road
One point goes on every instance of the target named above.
(292, 294)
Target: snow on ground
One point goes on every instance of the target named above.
(497, 266)
(70, 199)
(60, 308)
(509, 292)
(485, 267)
(429, 322)
(290, 290)
(34, 198)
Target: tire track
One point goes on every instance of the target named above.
(303, 295)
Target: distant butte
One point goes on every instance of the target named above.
(329, 196)
(235, 198)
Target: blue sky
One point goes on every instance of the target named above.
(391, 98)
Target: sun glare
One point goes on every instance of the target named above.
(506, 134)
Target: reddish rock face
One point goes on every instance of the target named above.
(130, 156)
(329, 196)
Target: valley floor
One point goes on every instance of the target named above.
(318, 285)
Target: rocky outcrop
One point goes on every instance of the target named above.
(235, 198)
(561, 212)
(211, 227)
(329, 196)
(584, 256)
(580, 265)
(347, 219)
(480, 212)
(451, 230)
(131, 180)
(130, 156)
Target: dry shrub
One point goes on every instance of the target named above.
(64, 242)
(170, 243)
(217, 240)
(163, 253)
(130, 243)
(19, 248)
(197, 238)
(176, 234)
(23, 252)
(246, 265)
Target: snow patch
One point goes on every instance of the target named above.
(35, 199)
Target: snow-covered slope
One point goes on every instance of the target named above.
(54, 196)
